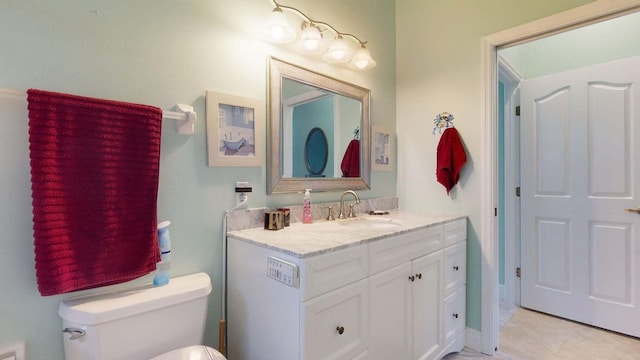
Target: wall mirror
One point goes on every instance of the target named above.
(302, 105)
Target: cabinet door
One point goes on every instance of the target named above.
(427, 306)
(335, 325)
(390, 314)
(454, 314)
(455, 267)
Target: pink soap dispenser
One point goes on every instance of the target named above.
(307, 215)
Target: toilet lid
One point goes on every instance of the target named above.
(196, 352)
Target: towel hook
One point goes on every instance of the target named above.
(444, 120)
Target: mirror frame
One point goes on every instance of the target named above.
(278, 70)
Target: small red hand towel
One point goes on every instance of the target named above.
(450, 159)
(94, 184)
(350, 165)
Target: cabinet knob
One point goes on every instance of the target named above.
(455, 315)
(340, 329)
(419, 276)
(412, 278)
(456, 268)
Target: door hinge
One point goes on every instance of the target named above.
(518, 110)
(495, 211)
(518, 272)
(518, 191)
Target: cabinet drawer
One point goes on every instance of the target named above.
(454, 314)
(387, 253)
(335, 325)
(326, 272)
(455, 231)
(455, 267)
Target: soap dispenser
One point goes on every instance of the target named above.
(307, 215)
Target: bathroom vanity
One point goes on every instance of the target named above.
(371, 287)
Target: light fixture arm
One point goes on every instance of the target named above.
(314, 22)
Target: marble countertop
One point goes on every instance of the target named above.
(305, 240)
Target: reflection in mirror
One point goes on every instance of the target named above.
(301, 100)
(316, 152)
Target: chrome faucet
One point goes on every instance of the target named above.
(344, 194)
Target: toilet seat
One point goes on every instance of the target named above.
(196, 352)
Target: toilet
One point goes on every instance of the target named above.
(146, 322)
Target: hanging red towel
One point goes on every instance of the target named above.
(450, 158)
(350, 165)
(94, 185)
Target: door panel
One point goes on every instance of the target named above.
(609, 176)
(579, 135)
(427, 306)
(551, 143)
(390, 314)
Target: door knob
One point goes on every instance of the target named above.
(633, 210)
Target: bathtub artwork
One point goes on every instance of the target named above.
(233, 124)
(236, 127)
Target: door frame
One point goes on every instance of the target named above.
(511, 219)
(584, 15)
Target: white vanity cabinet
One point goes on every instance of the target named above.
(417, 296)
(400, 296)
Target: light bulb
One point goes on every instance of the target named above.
(311, 37)
(362, 59)
(338, 51)
(278, 29)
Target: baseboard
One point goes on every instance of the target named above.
(474, 340)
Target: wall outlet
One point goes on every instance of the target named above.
(242, 188)
(13, 350)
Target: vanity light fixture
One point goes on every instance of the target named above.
(353, 53)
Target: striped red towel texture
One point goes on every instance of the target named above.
(94, 181)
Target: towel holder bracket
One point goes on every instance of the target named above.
(185, 118)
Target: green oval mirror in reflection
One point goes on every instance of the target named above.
(316, 151)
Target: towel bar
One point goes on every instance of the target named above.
(185, 118)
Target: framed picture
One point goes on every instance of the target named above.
(235, 130)
(381, 157)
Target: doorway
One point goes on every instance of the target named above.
(588, 14)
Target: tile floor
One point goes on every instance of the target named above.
(530, 335)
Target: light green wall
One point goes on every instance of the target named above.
(159, 52)
(598, 43)
(439, 69)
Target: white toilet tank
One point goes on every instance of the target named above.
(137, 323)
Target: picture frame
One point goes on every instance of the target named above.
(381, 149)
(235, 130)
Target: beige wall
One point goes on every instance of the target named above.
(439, 69)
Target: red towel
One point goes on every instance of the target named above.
(94, 185)
(350, 165)
(450, 158)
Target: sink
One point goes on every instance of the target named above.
(370, 222)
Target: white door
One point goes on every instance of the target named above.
(580, 131)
